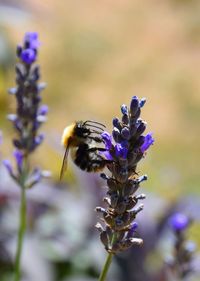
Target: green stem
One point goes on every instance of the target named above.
(21, 231)
(106, 267)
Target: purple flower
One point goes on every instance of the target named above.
(148, 141)
(43, 110)
(179, 222)
(121, 150)
(142, 102)
(28, 56)
(132, 229)
(32, 39)
(12, 117)
(107, 138)
(19, 158)
(12, 91)
(39, 139)
(34, 178)
(124, 109)
(107, 155)
(8, 166)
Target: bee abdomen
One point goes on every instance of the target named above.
(87, 160)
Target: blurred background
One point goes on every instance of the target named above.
(94, 56)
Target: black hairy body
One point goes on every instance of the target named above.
(83, 140)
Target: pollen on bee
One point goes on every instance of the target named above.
(67, 133)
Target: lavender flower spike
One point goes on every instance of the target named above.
(30, 113)
(181, 263)
(127, 149)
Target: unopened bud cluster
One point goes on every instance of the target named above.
(124, 153)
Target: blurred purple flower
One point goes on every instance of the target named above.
(147, 142)
(12, 91)
(179, 222)
(31, 38)
(132, 229)
(28, 56)
(19, 158)
(39, 139)
(43, 110)
(8, 166)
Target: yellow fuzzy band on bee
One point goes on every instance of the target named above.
(67, 134)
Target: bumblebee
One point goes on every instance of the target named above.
(82, 139)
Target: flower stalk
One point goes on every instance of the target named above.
(105, 269)
(21, 232)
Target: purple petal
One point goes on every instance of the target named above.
(121, 151)
(12, 117)
(132, 229)
(179, 222)
(29, 36)
(19, 158)
(124, 109)
(32, 39)
(28, 56)
(39, 139)
(107, 138)
(43, 110)
(107, 155)
(12, 91)
(142, 102)
(35, 177)
(7, 164)
(147, 142)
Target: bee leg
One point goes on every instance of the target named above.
(94, 149)
(97, 139)
(102, 161)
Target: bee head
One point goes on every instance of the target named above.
(68, 134)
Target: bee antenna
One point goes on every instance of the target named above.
(94, 122)
(93, 126)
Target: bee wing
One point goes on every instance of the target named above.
(64, 163)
